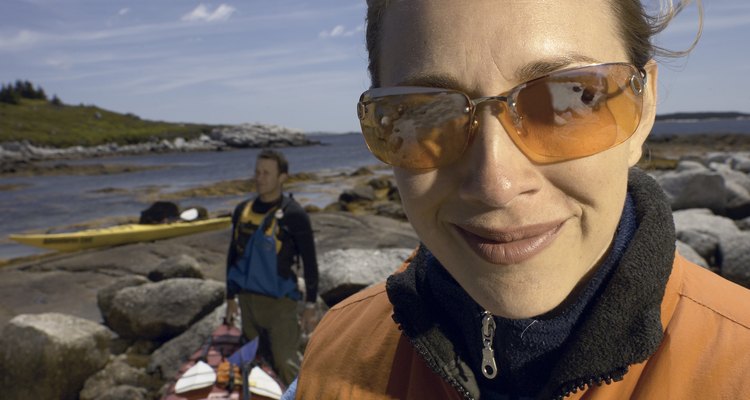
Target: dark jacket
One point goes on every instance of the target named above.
(295, 234)
(662, 328)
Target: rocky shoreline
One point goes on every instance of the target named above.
(222, 138)
(79, 308)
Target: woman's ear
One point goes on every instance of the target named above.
(648, 114)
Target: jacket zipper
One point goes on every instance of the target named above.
(488, 367)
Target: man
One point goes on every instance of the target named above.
(273, 316)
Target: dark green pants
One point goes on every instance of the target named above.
(275, 322)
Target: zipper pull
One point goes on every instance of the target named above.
(489, 368)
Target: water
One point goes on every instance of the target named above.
(54, 201)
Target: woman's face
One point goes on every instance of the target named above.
(517, 236)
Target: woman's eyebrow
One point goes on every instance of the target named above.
(541, 68)
(432, 80)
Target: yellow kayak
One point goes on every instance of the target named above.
(120, 234)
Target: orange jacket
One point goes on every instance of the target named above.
(358, 351)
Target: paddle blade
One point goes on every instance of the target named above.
(245, 354)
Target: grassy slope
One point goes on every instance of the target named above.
(44, 124)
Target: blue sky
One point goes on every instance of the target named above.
(300, 64)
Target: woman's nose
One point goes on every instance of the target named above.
(496, 171)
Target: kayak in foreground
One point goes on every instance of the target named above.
(121, 234)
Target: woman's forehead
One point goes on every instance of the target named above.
(493, 38)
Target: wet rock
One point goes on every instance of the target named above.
(160, 311)
(345, 272)
(179, 266)
(50, 356)
(124, 392)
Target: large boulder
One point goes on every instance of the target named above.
(704, 221)
(345, 272)
(118, 374)
(735, 258)
(166, 361)
(50, 356)
(694, 188)
(179, 266)
(162, 310)
(104, 296)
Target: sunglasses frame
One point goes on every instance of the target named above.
(507, 112)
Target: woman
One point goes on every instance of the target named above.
(547, 267)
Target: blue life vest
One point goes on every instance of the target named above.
(256, 271)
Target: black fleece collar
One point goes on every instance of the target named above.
(622, 328)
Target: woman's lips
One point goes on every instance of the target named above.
(510, 246)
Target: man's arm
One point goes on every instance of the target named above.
(301, 230)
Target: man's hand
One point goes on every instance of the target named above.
(309, 318)
(231, 311)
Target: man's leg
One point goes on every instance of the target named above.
(284, 334)
(249, 322)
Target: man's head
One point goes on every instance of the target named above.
(271, 170)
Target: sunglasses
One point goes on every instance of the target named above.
(567, 114)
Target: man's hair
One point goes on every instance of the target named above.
(277, 156)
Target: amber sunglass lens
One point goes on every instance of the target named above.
(579, 112)
(415, 128)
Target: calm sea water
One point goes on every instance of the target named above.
(54, 201)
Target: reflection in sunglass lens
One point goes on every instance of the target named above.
(419, 130)
(565, 115)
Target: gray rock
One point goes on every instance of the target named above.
(704, 221)
(688, 252)
(741, 163)
(166, 361)
(738, 200)
(160, 311)
(743, 224)
(735, 258)
(694, 189)
(702, 243)
(104, 297)
(391, 210)
(345, 272)
(690, 165)
(117, 373)
(259, 135)
(179, 266)
(340, 230)
(50, 356)
(124, 392)
(359, 193)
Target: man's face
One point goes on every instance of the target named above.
(268, 180)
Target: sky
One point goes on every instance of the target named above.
(299, 64)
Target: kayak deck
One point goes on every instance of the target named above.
(117, 235)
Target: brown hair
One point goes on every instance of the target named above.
(277, 156)
(637, 27)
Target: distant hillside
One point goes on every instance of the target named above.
(701, 115)
(47, 123)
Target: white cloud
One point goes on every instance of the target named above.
(340, 30)
(202, 13)
(123, 11)
(24, 38)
